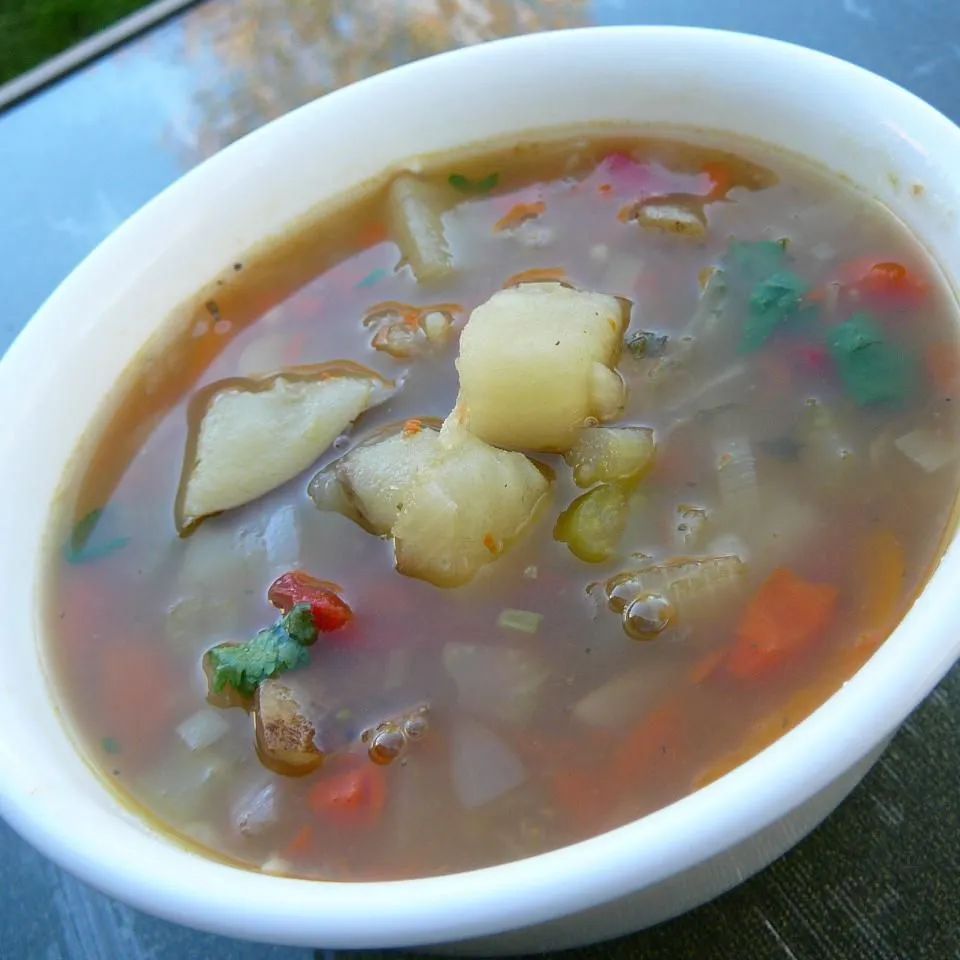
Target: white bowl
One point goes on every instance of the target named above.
(55, 375)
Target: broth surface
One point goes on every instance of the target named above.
(852, 496)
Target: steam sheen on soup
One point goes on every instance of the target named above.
(516, 498)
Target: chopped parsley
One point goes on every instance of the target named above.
(83, 547)
(282, 647)
(465, 185)
(872, 370)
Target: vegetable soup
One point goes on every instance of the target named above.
(522, 494)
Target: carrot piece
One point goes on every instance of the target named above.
(136, 681)
(840, 667)
(580, 796)
(519, 213)
(657, 736)
(351, 797)
(706, 666)
(539, 275)
(301, 843)
(943, 365)
(412, 427)
(721, 179)
(787, 615)
(881, 283)
(883, 569)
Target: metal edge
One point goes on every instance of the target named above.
(54, 69)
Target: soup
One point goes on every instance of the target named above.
(523, 494)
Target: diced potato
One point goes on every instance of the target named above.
(536, 364)
(416, 222)
(465, 508)
(286, 738)
(249, 436)
(369, 484)
(602, 454)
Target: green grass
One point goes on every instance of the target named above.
(32, 31)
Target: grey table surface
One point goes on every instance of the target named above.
(880, 879)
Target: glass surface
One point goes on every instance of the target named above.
(880, 880)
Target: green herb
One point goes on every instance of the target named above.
(756, 261)
(872, 370)
(79, 549)
(372, 278)
(524, 621)
(781, 448)
(465, 185)
(773, 301)
(110, 745)
(647, 345)
(244, 666)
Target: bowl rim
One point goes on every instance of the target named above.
(572, 878)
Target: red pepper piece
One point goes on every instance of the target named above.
(330, 611)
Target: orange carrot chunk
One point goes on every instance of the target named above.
(519, 213)
(786, 617)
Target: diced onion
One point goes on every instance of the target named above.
(524, 621)
(483, 766)
(926, 449)
(203, 728)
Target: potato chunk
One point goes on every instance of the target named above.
(251, 435)
(376, 476)
(465, 508)
(286, 737)
(536, 363)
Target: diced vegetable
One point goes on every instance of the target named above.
(406, 331)
(480, 185)
(773, 302)
(604, 454)
(594, 523)
(757, 260)
(882, 574)
(84, 547)
(826, 451)
(523, 621)
(483, 767)
(389, 738)
(644, 344)
(415, 213)
(328, 609)
(926, 449)
(465, 509)
(244, 666)
(374, 478)
(286, 737)
(499, 683)
(536, 363)
(624, 697)
(881, 284)
(654, 741)
(677, 217)
(736, 476)
(350, 795)
(520, 213)
(249, 436)
(786, 617)
(691, 584)
(257, 809)
(203, 728)
(872, 370)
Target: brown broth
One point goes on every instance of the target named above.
(128, 628)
